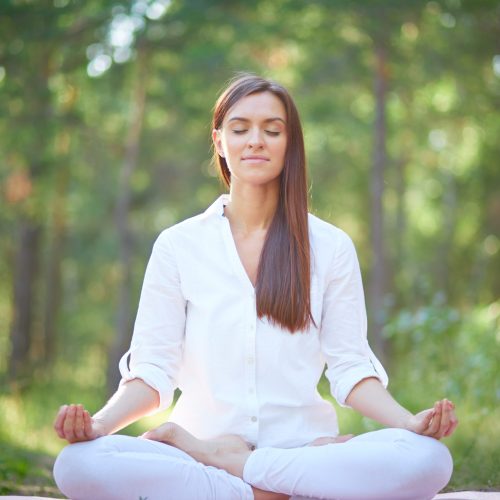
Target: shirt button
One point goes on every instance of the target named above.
(254, 419)
(251, 391)
(250, 361)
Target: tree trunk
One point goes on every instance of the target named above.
(53, 280)
(124, 315)
(25, 274)
(398, 259)
(448, 233)
(379, 271)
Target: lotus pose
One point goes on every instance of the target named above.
(241, 308)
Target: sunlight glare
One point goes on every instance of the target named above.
(99, 65)
(437, 139)
(157, 9)
(496, 65)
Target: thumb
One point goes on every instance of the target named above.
(428, 414)
(423, 419)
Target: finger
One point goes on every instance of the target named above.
(427, 419)
(79, 426)
(448, 430)
(59, 420)
(439, 421)
(435, 422)
(452, 428)
(453, 424)
(69, 424)
(87, 425)
(445, 419)
(450, 418)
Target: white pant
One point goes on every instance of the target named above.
(391, 464)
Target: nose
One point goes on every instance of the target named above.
(255, 138)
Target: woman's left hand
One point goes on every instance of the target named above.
(437, 422)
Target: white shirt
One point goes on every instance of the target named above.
(197, 329)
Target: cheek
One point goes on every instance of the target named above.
(280, 149)
(232, 145)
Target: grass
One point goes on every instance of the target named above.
(29, 445)
(24, 472)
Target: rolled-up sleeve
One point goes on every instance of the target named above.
(343, 327)
(156, 348)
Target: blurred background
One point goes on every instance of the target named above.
(105, 112)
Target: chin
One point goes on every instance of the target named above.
(259, 182)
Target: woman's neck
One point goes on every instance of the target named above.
(251, 208)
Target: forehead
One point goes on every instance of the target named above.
(261, 106)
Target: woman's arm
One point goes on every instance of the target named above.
(149, 369)
(371, 399)
(133, 400)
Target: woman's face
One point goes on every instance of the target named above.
(253, 140)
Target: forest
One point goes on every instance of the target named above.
(105, 112)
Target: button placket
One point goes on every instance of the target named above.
(250, 369)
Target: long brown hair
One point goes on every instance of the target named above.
(283, 288)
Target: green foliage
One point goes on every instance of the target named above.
(67, 102)
(26, 473)
(440, 350)
(28, 411)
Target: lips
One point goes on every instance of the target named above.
(255, 158)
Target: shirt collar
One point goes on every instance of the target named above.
(217, 207)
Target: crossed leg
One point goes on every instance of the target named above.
(387, 464)
(122, 467)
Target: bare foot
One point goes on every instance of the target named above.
(329, 440)
(228, 452)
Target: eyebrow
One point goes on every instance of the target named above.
(267, 120)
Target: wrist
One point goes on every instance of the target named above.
(100, 427)
(406, 421)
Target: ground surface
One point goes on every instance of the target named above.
(28, 476)
(461, 495)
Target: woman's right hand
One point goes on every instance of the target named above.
(75, 424)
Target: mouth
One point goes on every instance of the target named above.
(255, 158)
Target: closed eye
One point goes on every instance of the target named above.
(272, 133)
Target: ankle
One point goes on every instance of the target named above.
(268, 495)
(232, 462)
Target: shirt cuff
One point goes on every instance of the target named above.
(150, 375)
(345, 389)
(342, 386)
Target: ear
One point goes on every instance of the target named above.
(216, 138)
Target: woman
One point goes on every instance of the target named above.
(241, 307)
